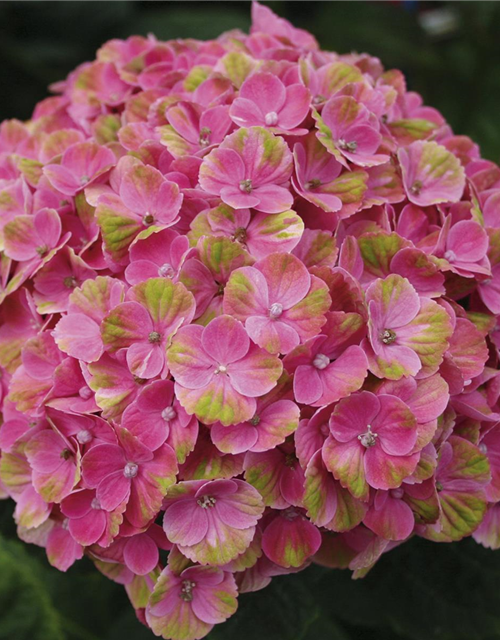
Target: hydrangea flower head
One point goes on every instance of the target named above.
(249, 290)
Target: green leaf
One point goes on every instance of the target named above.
(28, 610)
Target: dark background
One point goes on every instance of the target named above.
(420, 591)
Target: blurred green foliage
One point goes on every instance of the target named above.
(420, 591)
(40, 42)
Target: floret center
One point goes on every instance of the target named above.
(368, 439)
(246, 186)
(166, 270)
(275, 310)
(271, 118)
(321, 361)
(351, 146)
(207, 502)
(204, 139)
(186, 592)
(312, 184)
(169, 413)
(130, 470)
(388, 336)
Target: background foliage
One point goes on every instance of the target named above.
(420, 591)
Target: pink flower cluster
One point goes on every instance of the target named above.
(250, 298)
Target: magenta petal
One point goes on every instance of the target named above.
(352, 415)
(467, 240)
(190, 365)
(214, 604)
(395, 425)
(234, 197)
(185, 522)
(307, 384)
(62, 550)
(343, 376)
(89, 528)
(246, 113)
(140, 554)
(393, 521)
(387, 472)
(78, 504)
(288, 280)
(272, 199)
(100, 461)
(295, 108)
(44, 451)
(79, 336)
(113, 490)
(236, 438)
(145, 360)
(256, 373)
(289, 542)
(225, 340)
(265, 90)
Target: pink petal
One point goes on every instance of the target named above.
(89, 528)
(290, 542)
(216, 604)
(352, 415)
(190, 365)
(225, 340)
(265, 90)
(221, 168)
(272, 335)
(62, 550)
(140, 554)
(78, 504)
(296, 106)
(468, 240)
(393, 302)
(287, 279)
(48, 227)
(234, 197)
(79, 336)
(256, 373)
(185, 522)
(44, 451)
(113, 490)
(246, 113)
(145, 360)
(246, 294)
(101, 461)
(395, 425)
(307, 384)
(62, 179)
(393, 521)
(346, 462)
(343, 376)
(271, 199)
(236, 438)
(384, 471)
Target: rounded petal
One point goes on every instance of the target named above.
(140, 554)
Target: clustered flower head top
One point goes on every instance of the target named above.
(250, 299)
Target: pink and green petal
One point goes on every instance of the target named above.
(346, 462)
(290, 539)
(431, 173)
